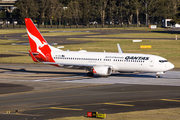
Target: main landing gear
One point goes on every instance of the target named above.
(90, 74)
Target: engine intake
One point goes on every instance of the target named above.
(102, 70)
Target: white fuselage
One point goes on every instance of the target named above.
(122, 62)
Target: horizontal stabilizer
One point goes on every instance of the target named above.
(33, 57)
(19, 52)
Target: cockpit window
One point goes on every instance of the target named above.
(162, 61)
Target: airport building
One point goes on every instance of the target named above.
(7, 5)
(6, 9)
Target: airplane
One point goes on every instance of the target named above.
(96, 63)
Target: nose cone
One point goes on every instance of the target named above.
(170, 66)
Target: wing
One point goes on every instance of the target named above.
(75, 66)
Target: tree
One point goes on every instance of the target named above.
(94, 10)
(102, 8)
(111, 11)
(98, 10)
(176, 18)
(54, 10)
(127, 9)
(43, 6)
(73, 11)
(85, 8)
(136, 8)
(27, 8)
(65, 2)
(161, 9)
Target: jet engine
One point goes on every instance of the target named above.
(102, 70)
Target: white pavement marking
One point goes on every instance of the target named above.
(57, 78)
(171, 78)
(45, 79)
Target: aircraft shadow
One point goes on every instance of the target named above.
(133, 75)
(79, 73)
(43, 72)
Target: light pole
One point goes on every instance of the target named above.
(146, 13)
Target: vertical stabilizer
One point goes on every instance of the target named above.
(38, 44)
(35, 38)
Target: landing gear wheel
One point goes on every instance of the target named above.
(90, 74)
(157, 76)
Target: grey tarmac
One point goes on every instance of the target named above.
(46, 92)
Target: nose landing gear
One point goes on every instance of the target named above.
(158, 74)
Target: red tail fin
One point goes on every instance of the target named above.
(35, 38)
(37, 42)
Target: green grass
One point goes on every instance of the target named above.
(159, 114)
(66, 33)
(23, 30)
(8, 31)
(5, 49)
(141, 35)
(8, 41)
(135, 28)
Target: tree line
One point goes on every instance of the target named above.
(102, 11)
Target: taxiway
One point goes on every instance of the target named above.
(46, 92)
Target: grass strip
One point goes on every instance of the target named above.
(158, 114)
(140, 35)
(67, 33)
(165, 48)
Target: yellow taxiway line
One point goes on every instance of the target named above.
(170, 100)
(60, 108)
(128, 105)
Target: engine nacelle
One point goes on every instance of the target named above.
(102, 70)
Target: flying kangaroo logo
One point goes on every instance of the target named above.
(39, 45)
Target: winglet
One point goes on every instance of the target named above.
(119, 48)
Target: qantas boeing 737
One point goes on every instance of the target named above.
(97, 63)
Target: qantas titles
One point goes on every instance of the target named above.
(129, 57)
(136, 58)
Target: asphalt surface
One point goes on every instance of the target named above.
(46, 92)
